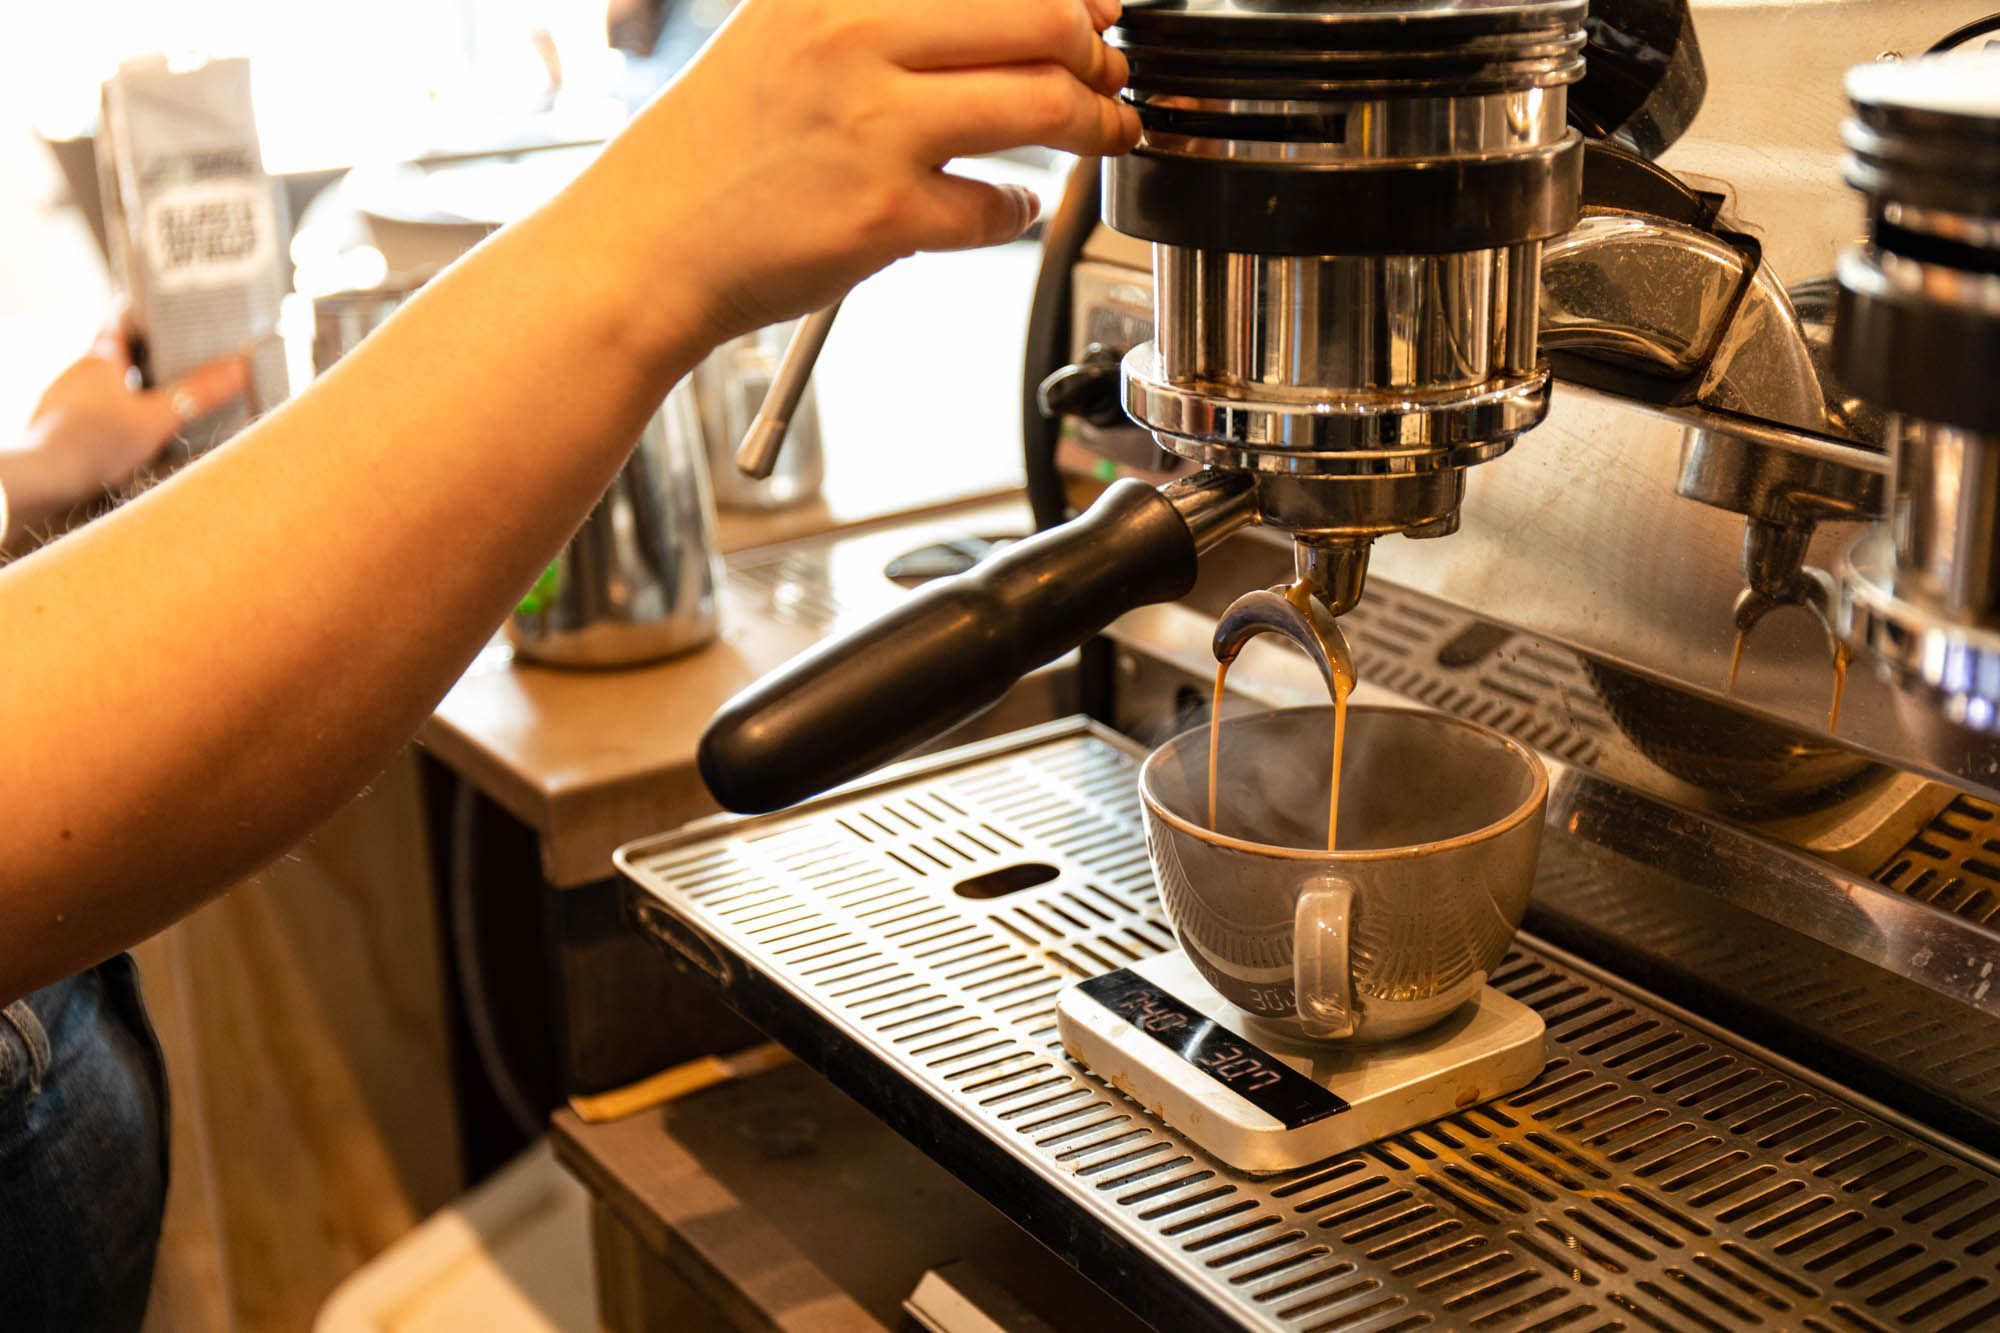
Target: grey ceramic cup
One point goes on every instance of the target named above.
(1440, 826)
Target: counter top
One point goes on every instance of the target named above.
(593, 759)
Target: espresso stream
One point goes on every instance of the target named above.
(1343, 685)
(1841, 657)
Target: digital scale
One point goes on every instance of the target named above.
(1263, 1102)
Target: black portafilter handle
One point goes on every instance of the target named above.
(958, 645)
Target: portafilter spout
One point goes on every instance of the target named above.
(1305, 621)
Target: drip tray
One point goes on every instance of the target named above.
(909, 940)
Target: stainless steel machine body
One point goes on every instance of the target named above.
(1701, 470)
(1920, 334)
(1346, 205)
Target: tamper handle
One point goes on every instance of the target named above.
(955, 647)
(757, 455)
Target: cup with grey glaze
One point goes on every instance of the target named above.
(1440, 827)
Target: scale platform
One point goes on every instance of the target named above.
(1264, 1103)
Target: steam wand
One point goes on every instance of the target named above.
(758, 454)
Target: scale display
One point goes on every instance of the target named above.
(1231, 1060)
(1162, 1036)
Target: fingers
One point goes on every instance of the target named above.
(113, 342)
(198, 393)
(969, 112)
(956, 213)
(984, 33)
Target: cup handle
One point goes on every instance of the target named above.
(1322, 982)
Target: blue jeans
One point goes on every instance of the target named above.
(83, 1153)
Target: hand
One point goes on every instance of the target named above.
(805, 148)
(92, 431)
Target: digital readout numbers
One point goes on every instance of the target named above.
(1230, 1060)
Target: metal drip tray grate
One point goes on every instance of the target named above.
(1536, 693)
(1954, 863)
(1653, 1177)
(791, 587)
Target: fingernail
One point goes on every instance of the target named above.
(1031, 205)
(1116, 70)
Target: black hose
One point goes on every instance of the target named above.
(1063, 239)
(1965, 36)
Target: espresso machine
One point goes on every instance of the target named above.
(1616, 378)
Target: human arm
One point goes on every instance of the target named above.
(189, 685)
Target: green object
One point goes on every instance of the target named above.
(546, 589)
(1106, 470)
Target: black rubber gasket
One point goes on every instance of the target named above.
(1917, 356)
(1285, 208)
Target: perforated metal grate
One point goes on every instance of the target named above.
(792, 587)
(1652, 1177)
(1535, 693)
(1954, 863)
(1901, 1026)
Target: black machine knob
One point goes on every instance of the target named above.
(1086, 389)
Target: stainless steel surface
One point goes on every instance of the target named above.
(1359, 333)
(638, 581)
(731, 385)
(1953, 864)
(1936, 662)
(1630, 531)
(758, 454)
(1440, 823)
(342, 319)
(1924, 599)
(1682, 303)
(1658, 1174)
(1295, 428)
(1213, 504)
(1947, 519)
(1358, 386)
(1619, 530)
(1372, 129)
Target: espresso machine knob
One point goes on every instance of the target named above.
(1086, 389)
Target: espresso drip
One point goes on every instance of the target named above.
(1842, 654)
(1300, 596)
